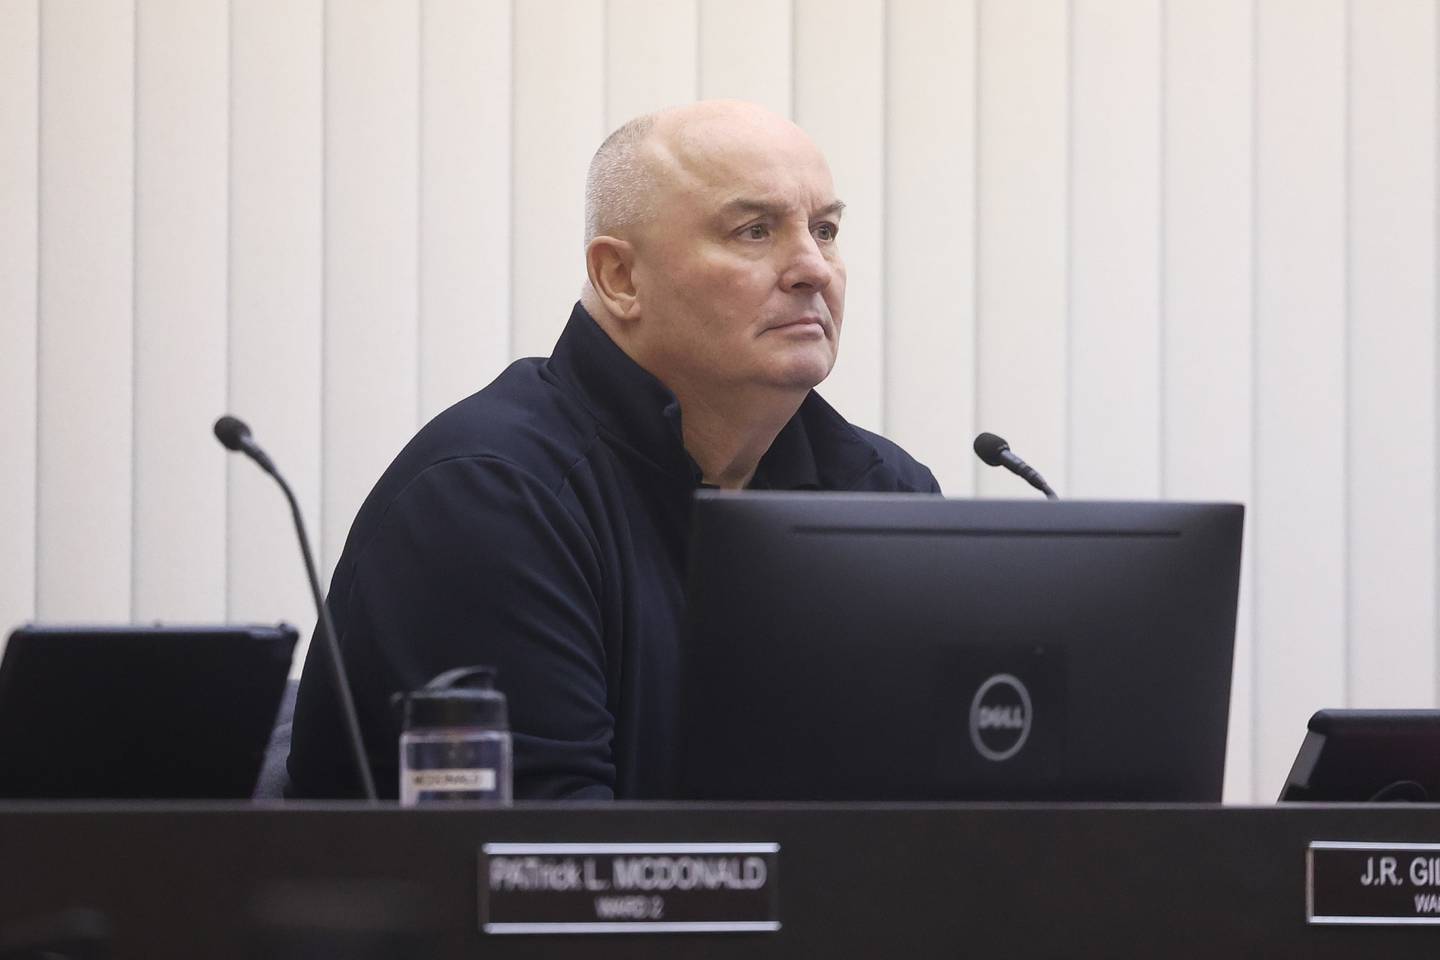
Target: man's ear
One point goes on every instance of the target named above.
(610, 264)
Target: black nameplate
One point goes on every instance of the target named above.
(1372, 884)
(629, 887)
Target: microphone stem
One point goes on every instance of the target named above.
(1029, 474)
(332, 645)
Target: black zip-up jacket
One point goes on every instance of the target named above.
(540, 526)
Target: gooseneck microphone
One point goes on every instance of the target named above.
(996, 452)
(236, 436)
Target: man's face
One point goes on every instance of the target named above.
(739, 276)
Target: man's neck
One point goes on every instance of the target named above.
(726, 431)
(726, 439)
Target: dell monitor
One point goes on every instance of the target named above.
(898, 647)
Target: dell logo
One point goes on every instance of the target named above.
(1000, 717)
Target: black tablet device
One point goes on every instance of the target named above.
(139, 712)
(1358, 756)
(895, 647)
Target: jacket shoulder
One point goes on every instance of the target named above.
(911, 475)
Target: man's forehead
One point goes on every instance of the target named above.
(734, 176)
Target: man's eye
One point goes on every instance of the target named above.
(826, 231)
(756, 231)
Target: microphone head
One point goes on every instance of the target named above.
(988, 447)
(232, 432)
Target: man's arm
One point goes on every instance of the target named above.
(474, 562)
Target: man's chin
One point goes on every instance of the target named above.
(801, 373)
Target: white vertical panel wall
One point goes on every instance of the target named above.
(464, 198)
(19, 253)
(1207, 282)
(1391, 339)
(275, 280)
(746, 51)
(1183, 248)
(1023, 223)
(371, 403)
(181, 149)
(559, 121)
(1300, 403)
(651, 57)
(86, 334)
(1114, 291)
(929, 274)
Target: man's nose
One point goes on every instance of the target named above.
(807, 268)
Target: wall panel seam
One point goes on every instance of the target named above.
(1068, 308)
(976, 185)
(323, 507)
(229, 278)
(608, 121)
(1162, 304)
(135, 324)
(794, 56)
(509, 246)
(39, 309)
(510, 196)
(886, 353)
(420, 198)
(1347, 340)
(1255, 400)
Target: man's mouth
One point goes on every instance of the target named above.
(798, 323)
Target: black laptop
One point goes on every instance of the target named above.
(891, 647)
(1359, 756)
(139, 712)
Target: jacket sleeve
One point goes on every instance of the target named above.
(475, 562)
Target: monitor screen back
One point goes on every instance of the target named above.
(863, 647)
(139, 712)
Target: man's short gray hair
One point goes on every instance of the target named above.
(618, 188)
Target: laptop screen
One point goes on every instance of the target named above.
(139, 712)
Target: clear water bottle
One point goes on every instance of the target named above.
(455, 744)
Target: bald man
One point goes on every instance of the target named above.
(540, 525)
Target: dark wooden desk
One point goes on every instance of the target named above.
(854, 880)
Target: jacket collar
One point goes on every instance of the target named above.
(816, 449)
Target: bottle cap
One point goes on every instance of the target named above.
(463, 697)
